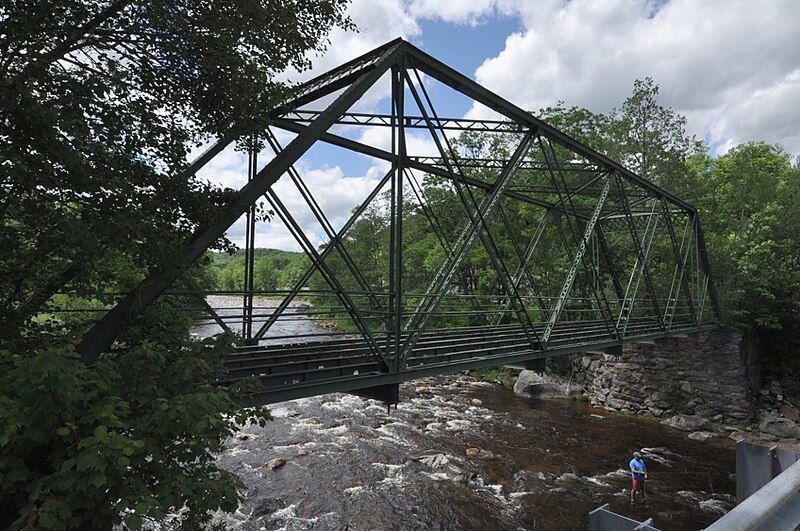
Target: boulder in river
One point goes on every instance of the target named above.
(433, 460)
(701, 436)
(476, 402)
(535, 385)
(790, 412)
(779, 427)
(686, 422)
(275, 462)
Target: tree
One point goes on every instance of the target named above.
(293, 272)
(100, 102)
(232, 277)
(582, 124)
(749, 201)
(265, 275)
(650, 139)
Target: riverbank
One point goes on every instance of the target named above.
(462, 453)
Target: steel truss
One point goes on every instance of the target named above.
(568, 234)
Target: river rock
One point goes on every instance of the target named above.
(301, 452)
(275, 462)
(533, 384)
(790, 412)
(433, 460)
(423, 390)
(779, 427)
(476, 402)
(685, 422)
(737, 436)
(472, 452)
(268, 506)
(701, 436)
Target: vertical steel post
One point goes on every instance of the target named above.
(249, 250)
(678, 279)
(396, 216)
(640, 252)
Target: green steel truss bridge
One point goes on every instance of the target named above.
(582, 254)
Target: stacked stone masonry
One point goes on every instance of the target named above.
(712, 374)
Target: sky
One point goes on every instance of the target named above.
(731, 67)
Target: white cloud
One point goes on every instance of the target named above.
(711, 59)
(336, 193)
(457, 11)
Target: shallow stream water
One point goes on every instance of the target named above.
(540, 464)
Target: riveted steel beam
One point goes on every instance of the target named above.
(576, 262)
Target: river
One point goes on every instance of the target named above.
(539, 464)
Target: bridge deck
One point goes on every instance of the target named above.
(289, 371)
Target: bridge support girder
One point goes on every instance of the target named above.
(616, 350)
(530, 365)
(389, 394)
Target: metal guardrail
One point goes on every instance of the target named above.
(604, 519)
(769, 479)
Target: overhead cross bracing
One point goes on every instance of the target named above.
(579, 252)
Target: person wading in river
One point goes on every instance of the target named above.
(638, 475)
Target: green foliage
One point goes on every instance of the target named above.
(101, 104)
(749, 199)
(273, 269)
(651, 139)
(132, 438)
(265, 276)
(507, 377)
(676, 397)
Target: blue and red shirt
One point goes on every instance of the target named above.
(638, 466)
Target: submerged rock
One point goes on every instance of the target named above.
(535, 385)
(686, 422)
(268, 506)
(701, 436)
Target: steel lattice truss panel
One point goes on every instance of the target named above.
(577, 252)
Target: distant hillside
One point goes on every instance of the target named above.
(279, 258)
(272, 269)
